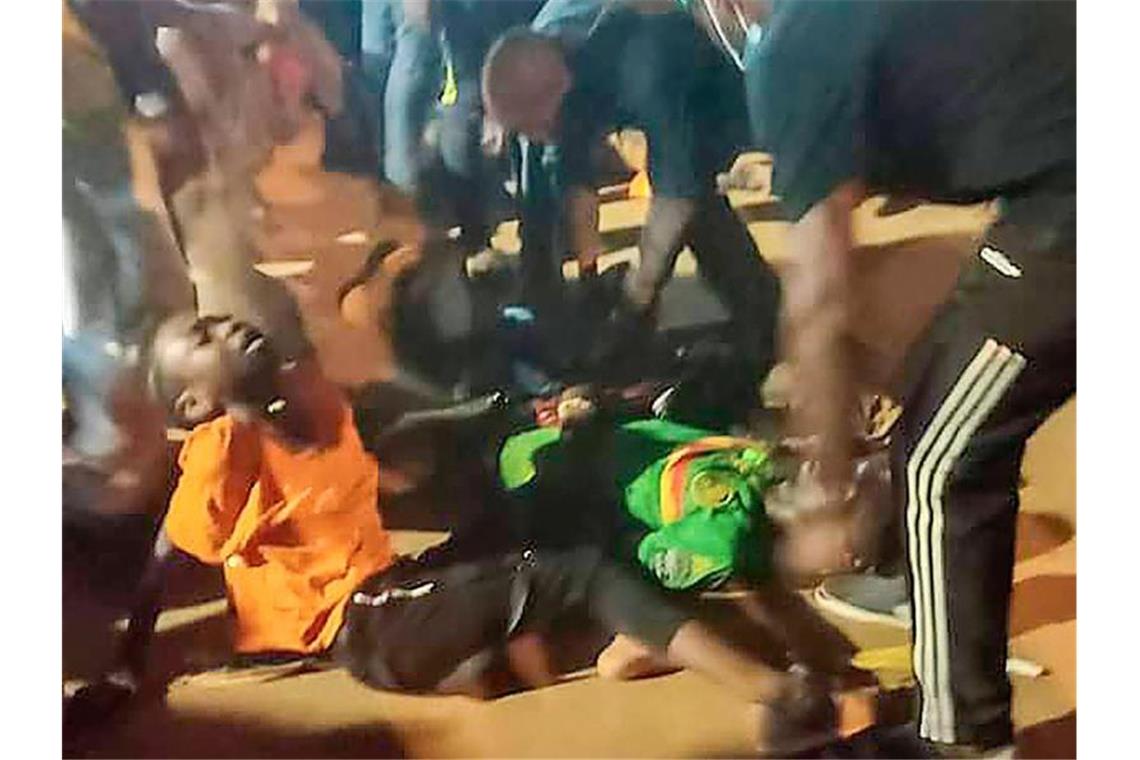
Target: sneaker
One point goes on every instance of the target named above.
(866, 599)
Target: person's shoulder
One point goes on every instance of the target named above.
(210, 433)
(799, 28)
(211, 443)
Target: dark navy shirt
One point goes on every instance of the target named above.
(948, 101)
(661, 74)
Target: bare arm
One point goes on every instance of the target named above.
(662, 238)
(817, 311)
(92, 705)
(144, 613)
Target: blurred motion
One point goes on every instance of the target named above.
(470, 348)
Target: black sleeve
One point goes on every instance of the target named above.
(811, 72)
(574, 166)
(660, 77)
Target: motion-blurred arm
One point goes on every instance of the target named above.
(818, 297)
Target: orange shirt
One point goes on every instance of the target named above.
(295, 531)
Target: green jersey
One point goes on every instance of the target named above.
(697, 495)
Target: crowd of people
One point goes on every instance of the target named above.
(622, 483)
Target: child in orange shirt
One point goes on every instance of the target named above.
(276, 487)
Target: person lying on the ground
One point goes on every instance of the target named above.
(276, 488)
(685, 504)
(689, 501)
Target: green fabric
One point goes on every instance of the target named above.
(516, 458)
(722, 531)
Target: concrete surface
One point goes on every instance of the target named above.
(907, 262)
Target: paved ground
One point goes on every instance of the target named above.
(327, 714)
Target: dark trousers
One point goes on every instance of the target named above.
(363, 33)
(415, 624)
(730, 262)
(997, 361)
(126, 29)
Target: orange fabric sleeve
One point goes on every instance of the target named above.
(219, 463)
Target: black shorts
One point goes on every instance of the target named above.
(411, 626)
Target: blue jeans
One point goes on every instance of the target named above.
(361, 31)
(452, 186)
(413, 84)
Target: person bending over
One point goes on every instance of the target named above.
(277, 489)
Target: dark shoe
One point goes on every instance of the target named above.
(625, 333)
(904, 741)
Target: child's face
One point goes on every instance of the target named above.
(216, 359)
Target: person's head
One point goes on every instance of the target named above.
(202, 366)
(525, 78)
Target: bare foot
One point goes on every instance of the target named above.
(625, 659)
(530, 660)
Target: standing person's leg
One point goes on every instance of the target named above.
(412, 86)
(89, 266)
(377, 48)
(730, 262)
(996, 363)
(349, 135)
(466, 40)
(111, 261)
(122, 265)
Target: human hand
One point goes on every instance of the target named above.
(494, 138)
(576, 406)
